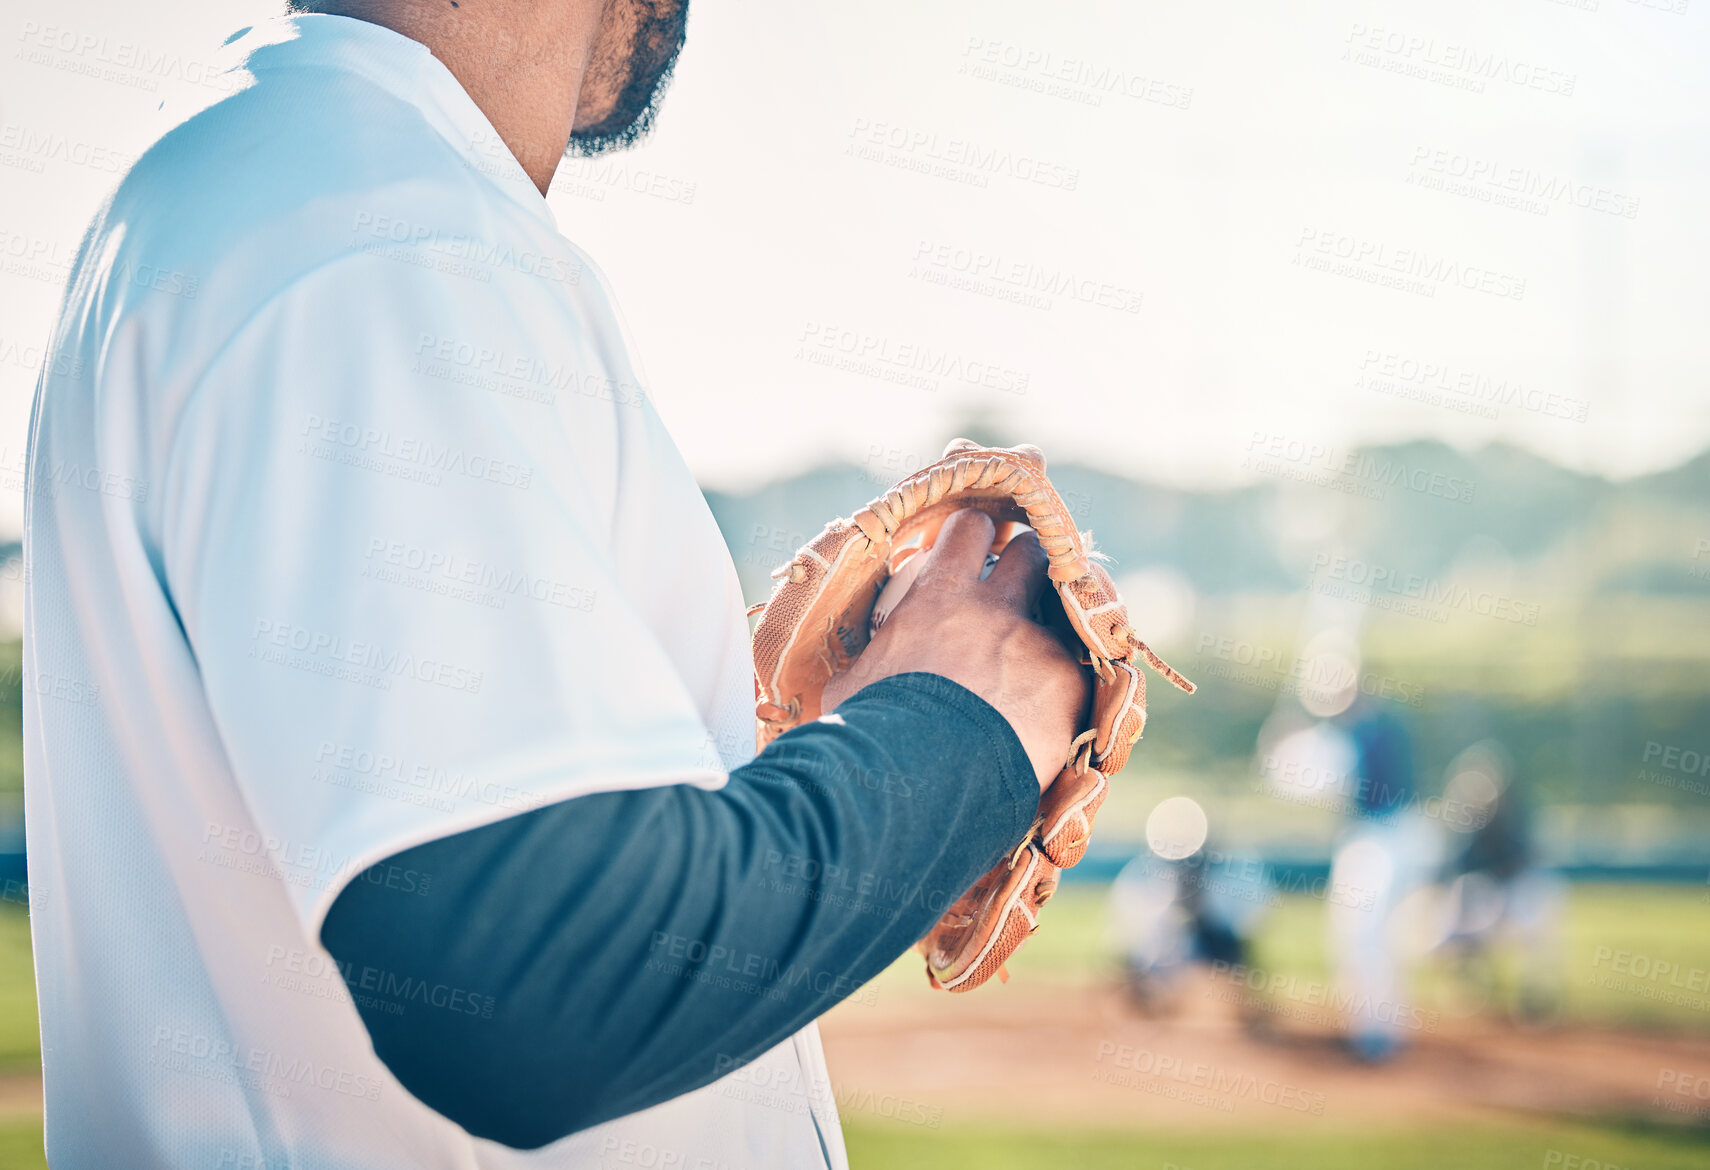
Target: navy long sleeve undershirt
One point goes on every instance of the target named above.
(595, 957)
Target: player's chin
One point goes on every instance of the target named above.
(613, 118)
(600, 117)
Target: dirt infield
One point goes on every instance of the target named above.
(20, 1095)
(1021, 1053)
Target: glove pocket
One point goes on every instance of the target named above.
(988, 924)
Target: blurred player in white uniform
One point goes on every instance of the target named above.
(1388, 851)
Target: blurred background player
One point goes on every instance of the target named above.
(1502, 907)
(1387, 851)
(1171, 910)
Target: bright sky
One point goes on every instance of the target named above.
(1138, 231)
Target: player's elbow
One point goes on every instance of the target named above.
(501, 1086)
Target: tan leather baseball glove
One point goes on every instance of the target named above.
(822, 614)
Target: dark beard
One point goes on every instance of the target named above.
(661, 26)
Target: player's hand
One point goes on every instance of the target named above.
(978, 633)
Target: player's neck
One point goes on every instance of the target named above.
(521, 61)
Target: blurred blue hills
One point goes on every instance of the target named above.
(1262, 537)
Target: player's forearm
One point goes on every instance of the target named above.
(626, 948)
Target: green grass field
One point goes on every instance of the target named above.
(21, 1145)
(20, 1044)
(1516, 1147)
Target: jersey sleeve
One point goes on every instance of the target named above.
(393, 567)
(597, 957)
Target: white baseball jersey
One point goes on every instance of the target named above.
(349, 526)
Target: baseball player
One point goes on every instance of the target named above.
(1388, 850)
(1500, 893)
(390, 790)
